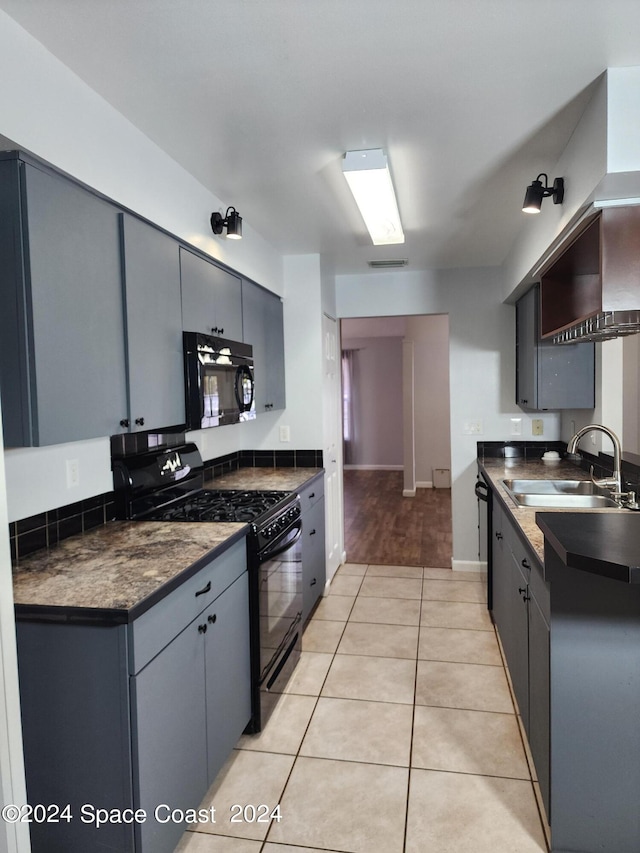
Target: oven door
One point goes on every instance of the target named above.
(276, 620)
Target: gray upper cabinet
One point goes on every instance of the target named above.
(211, 298)
(61, 328)
(550, 376)
(151, 279)
(264, 330)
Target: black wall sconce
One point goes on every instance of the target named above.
(232, 221)
(536, 191)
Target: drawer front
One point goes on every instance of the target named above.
(311, 493)
(155, 629)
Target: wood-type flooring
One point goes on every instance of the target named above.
(383, 527)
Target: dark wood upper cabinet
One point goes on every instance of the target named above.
(597, 271)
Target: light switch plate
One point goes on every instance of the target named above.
(285, 433)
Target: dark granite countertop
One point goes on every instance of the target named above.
(275, 479)
(115, 572)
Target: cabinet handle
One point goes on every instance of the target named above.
(124, 422)
(526, 402)
(202, 629)
(140, 421)
(203, 591)
(312, 495)
(217, 331)
(498, 534)
(312, 532)
(313, 582)
(523, 592)
(525, 563)
(212, 618)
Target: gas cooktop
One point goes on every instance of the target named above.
(220, 505)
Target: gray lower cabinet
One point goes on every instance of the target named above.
(314, 573)
(521, 612)
(62, 352)
(138, 716)
(550, 376)
(153, 312)
(211, 298)
(263, 328)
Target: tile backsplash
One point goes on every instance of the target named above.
(49, 528)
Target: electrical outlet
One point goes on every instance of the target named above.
(537, 426)
(73, 473)
(516, 426)
(285, 433)
(472, 428)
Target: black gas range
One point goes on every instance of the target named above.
(167, 484)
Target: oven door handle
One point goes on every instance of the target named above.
(282, 545)
(482, 491)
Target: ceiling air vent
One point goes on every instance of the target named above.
(391, 263)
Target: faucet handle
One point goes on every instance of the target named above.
(605, 482)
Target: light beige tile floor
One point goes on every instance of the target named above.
(397, 732)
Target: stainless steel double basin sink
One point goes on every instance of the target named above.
(569, 494)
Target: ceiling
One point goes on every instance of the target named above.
(259, 99)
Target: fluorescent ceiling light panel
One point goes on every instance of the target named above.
(367, 173)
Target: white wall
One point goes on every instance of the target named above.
(430, 337)
(583, 165)
(481, 364)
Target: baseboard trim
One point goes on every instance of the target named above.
(408, 493)
(425, 484)
(373, 467)
(469, 566)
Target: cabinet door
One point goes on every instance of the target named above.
(515, 639)
(550, 376)
(154, 326)
(539, 697)
(75, 338)
(263, 328)
(313, 557)
(499, 568)
(228, 673)
(211, 298)
(169, 736)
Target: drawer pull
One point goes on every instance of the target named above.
(312, 532)
(202, 629)
(212, 618)
(313, 582)
(498, 535)
(312, 495)
(525, 563)
(205, 590)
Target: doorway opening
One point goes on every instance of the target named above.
(396, 440)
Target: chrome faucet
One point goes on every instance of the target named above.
(614, 482)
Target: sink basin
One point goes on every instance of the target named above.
(558, 493)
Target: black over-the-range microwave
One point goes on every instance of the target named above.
(219, 384)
